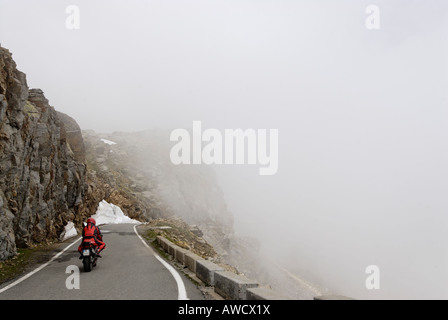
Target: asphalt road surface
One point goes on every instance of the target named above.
(129, 270)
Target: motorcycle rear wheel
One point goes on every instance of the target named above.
(87, 263)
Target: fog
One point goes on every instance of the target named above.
(361, 114)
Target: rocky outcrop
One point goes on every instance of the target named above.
(42, 173)
(110, 178)
(74, 136)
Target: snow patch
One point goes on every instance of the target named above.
(108, 213)
(108, 142)
(69, 231)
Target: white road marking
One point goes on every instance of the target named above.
(38, 268)
(182, 293)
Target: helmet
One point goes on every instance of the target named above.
(91, 220)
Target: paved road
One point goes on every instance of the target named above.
(128, 270)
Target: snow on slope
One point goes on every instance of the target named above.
(106, 213)
(108, 142)
(69, 231)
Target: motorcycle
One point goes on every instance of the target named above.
(89, 256)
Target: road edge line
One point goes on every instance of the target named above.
(13, 284)
(182, 292)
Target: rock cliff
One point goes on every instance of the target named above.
(42, 173)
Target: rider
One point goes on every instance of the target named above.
(91, 233)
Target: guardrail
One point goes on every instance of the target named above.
(227, 284)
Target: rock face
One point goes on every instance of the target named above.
(42, 170)
(74, 137)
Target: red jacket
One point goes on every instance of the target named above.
(91, 233)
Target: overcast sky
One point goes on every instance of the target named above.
(361, 115)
